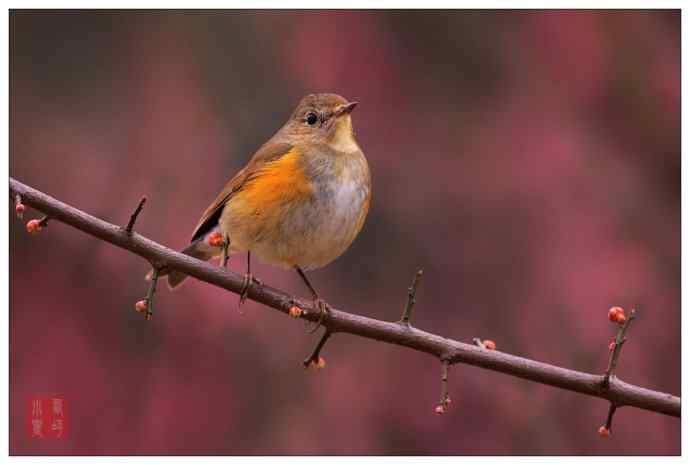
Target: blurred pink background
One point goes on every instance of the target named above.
(528, 161)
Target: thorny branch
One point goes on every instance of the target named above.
(618, 392)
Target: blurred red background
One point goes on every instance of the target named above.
(528, 161)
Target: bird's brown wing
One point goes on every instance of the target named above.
(268, 152)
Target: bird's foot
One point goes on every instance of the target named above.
(224, 258)
(323, 309)
(225, 252)
(248, 280)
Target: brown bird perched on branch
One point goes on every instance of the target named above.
(299, 202)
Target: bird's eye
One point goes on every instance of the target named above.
(311, 118)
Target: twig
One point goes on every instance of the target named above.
(589, 384)
(43, 222)
(19, 206)
(609, 417)
(135, 215)
(411, 299)
(314, 357)
(444, 400)
(605, 431)
(151, 292)
(616, 352)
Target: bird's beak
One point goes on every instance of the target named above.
(346, 108)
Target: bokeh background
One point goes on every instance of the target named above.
(528, 161)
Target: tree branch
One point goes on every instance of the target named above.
(618, 392)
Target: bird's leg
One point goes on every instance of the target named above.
(225, 249)
(248, 278)
(318, 301)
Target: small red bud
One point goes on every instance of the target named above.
(295, 311)
(440, 410)
(321, 363)
(33, 226)
(215, 239)
(489, 344)
(620, 318)
(604, 432)
(615, 313)
(20, 208)
(141, 306)
(612, 346)
(317, 364)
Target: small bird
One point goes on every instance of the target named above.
(298, 203)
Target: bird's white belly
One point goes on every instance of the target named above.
(318, 231)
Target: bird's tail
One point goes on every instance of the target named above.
(197, 249)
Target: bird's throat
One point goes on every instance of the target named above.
(342, 136)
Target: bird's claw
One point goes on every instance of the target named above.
(248, 279)
(323, 309)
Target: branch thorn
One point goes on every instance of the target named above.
(411, 299)
(135, 215)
